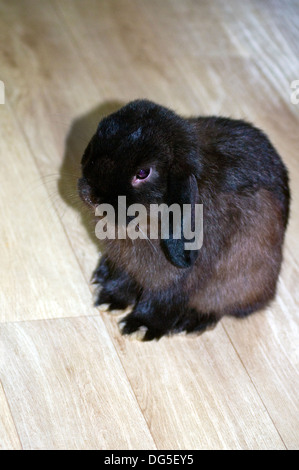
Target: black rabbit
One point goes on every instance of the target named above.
(153, 156)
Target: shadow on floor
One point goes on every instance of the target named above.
(81, 131)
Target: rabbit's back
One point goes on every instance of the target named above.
(239, 158)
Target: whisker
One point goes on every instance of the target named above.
(148, 239)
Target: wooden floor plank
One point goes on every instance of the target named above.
(39, 273)
(195, 393)
(66, 387)
(9, 439)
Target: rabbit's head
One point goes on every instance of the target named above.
(148, 154)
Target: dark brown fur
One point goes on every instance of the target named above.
(243, 186)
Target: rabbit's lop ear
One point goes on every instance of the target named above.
(183, 197)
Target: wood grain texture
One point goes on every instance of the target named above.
(61, 389)
(69, 379)
(36, 260)
(9, 439)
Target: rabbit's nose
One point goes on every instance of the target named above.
(85, 192)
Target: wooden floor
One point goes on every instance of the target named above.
(68, 379)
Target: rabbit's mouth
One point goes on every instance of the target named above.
(85, 193)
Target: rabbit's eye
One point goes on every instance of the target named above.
(143, 174)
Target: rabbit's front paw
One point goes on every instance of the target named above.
(137, 328)
(102, 273)
(113, 301)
